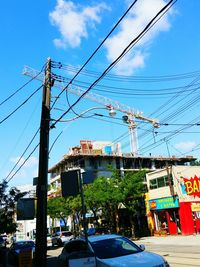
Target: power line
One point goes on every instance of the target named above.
(22, 155)
(167, 138)
(170, 136)
(24, 102)
(96, 48)
(170, 101)
(23, 163)
(137, 92)
(166, 106)
(166, 7)
(9, 97)
(140, 79)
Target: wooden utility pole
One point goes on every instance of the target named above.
(169, 175)
(41, 217)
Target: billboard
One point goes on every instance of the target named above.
(70, 183)
(25, 209)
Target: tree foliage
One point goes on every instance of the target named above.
(61, 207)
(104, 196)
(195, 163)
(8, 199)
(133, 189)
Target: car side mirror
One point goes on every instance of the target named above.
(142, 246)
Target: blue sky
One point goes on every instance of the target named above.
(158, 76)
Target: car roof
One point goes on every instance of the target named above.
(95, 238)
(23, 241)
(63, 231)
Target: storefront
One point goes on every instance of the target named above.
(165, 214)
(178, 213)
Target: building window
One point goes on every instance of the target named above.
(160, 182)
(153, 184)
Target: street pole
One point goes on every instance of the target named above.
(171, 187)
(41, 217)
(83, 206)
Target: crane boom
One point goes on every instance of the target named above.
(107, 102)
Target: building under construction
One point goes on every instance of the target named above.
(96, 156)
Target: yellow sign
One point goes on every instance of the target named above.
(25, 259)
(192, 186)
(195, 206)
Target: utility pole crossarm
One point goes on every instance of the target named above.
(93, 97)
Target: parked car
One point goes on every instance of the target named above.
(17, 247)
(49, 243)
(113, 250)
(76, 253)
(60, 238)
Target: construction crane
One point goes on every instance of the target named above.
(112, 105)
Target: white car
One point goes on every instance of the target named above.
(115, 251)
(49, 243)
(60, 238)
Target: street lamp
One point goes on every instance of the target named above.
(112, 113)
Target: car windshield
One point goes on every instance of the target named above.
(114, 247)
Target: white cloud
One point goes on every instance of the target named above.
(130, 27)
(26, 173)
(31, 162)
(74, 21)
(186, 146)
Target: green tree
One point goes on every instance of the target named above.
(195, 163)
(104, 194)
(8, 200)
(133, 189)
(59, 208)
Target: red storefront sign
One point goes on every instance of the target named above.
(192, 186)
(153, 205)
